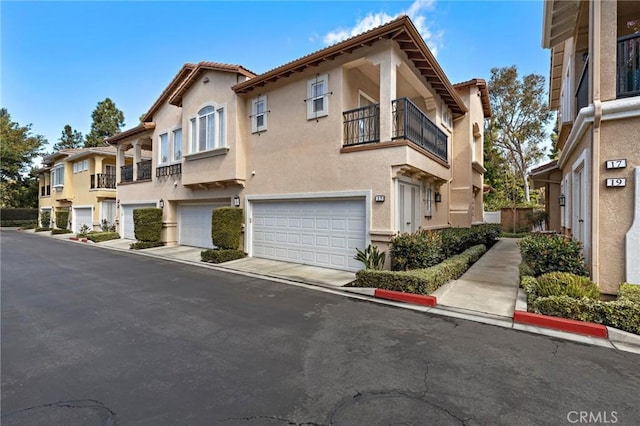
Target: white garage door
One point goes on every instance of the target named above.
(319, 233)
(82, 216)
(194, 224)
(127, 228)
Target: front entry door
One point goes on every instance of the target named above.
(408, 205)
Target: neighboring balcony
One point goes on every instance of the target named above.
(144, 170)
(362, 126)
(628, 66)
(126, 173)
(103, 181)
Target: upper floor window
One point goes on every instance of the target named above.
(164, 148)
(203, 129)
(170, 149)
(445, 117)
(58, 175)
(259, 114)
(177, 144)
(318, 97)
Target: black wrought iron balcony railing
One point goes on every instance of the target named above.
(628, 66)
(362, 125)
(126, 173)
(171, 169)
(144, 170)
(410, 123)
(103, 180)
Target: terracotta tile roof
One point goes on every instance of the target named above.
(176, 96)
(484, 93)
(139, 129)
(547, 167)
(168, 91)
(400, 30)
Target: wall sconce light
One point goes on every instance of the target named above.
(118, 203)
(236, 201)
(437, 197)
(161, 203)
(562, 200)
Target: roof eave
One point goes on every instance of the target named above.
(134, 131)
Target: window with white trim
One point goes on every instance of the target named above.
(163, 141)
(177, 144)
(58, 175)
(75, 167)
(428, 200)
(85, 165)
(445, 116)
(203, 135)
(259, 114)
(318, 97)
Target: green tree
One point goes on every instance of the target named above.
(553, 154)
(69, 139)
(520, 114)
(107, 121)
(18, 148)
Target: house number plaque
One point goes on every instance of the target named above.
(616, 164)
(616, 182)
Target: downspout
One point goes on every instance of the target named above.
(596, 14)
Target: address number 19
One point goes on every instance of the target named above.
(617, 182)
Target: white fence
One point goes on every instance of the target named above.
(492, 217)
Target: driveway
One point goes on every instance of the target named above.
(97, 337)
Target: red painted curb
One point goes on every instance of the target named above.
(399, 296)
(84, 240)
(73, 238)
(572, 326)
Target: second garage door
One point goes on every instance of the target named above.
(127, 229)
(82, 216)
(194, 224)
(321, 233)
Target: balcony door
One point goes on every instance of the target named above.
(367, 122)
(408, 207)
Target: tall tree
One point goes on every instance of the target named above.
(107, 121)
(18, 148)
(520, 114)
(553, 154)
(70, 138)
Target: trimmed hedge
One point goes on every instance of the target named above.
(430, 247)
(61, 231)
(62, 219)
(552, 252)
(98, 237)
(147, 224)
(221, 255)
(139, 245)
(629, 292)
(10, 214)
(42, 229)
(226, 227)
(420, 281)
(566, 284)
(45, 218)
(28, 223)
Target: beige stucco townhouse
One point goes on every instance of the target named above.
(593, 187)
(82, 182)
(339, 149)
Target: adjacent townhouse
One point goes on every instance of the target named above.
(339, 149)
(592, 190)
(81, 181)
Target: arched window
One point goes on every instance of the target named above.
(203, 129)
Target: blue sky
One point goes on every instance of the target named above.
(59, 59)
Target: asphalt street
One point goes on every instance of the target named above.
(96, 337)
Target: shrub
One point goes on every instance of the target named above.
(62, 219)
(514, 235)
(139, 245)
(45, 218)
(371, 257)
(566, 284)
(106, 226)
(147, 224)
(420, 281)
(42, 229)
(530, 286)
(98, 237)
(226, 227)
(11, 214)
(60, 231)
(415, 251)
(27, 223)
(525, 270)
(221, 255)
(552, 252)
(629, 292)
(84, 230)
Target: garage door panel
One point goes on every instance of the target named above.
(322, 233)
(82, 216)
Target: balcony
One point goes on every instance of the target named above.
(103, 180)
(362, 126)
(172, 169)
(628, 66)
(126, 173)
(144, 170)
(412, 124)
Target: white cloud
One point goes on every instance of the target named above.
(372, 20)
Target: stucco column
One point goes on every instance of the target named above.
(388, 87)
(137, 156)
(119, 162)
(632, 249)
(608, 48)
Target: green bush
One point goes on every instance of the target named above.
(226, 227)
(420, 281)
(84, 230)
(139, 245)
(552, 252)
(10, 214)
(62, 219)
(98, 237)
(60, 231)
(147, 224)
(25, 224)
(45, 218)
(525, 270)
(530, 286)
(371, 257)
(629, 292)
(514, 235)
(566, 284)
(42, 229)
(221, 255)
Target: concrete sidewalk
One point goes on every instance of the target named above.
(490, 286)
